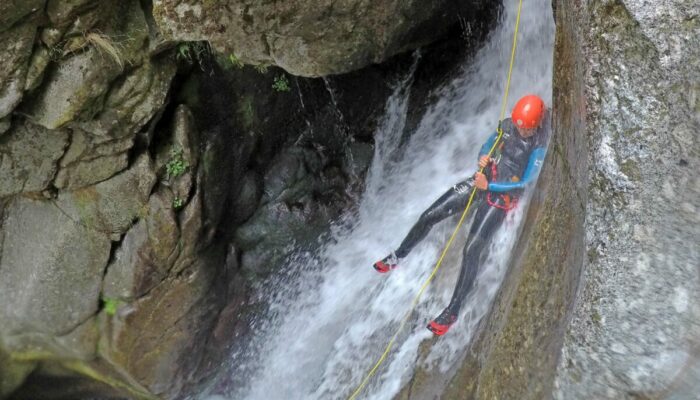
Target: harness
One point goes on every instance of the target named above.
(509, 202)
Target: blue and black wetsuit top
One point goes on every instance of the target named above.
(518, 159)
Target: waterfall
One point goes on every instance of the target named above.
(331, 319)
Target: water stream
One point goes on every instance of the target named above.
(332, 315)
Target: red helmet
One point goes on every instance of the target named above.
(528, 112)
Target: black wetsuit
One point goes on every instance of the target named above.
(517, 162)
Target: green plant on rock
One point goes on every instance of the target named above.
(235, 61)
(281, 83)
(193, 52)
(110, 305)
(178, 203)
(183, 52)
(261, 68)
(176, 165)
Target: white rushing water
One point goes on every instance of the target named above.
(335, 314)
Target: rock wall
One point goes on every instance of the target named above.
(635, 328)
(626, 116)
(312, 37)
(144, 187)
(80, 85)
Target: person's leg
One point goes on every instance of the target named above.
(450, 203)
(486, 222)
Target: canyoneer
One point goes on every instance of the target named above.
(514, 164)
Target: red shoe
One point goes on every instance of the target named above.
(386, 264)
(442, 323)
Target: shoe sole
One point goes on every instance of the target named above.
(439, 329)
(382, 268)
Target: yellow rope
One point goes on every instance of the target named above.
(459, 224)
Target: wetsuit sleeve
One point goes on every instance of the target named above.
(487, 146)
(534, 164)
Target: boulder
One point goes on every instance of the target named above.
(310, 37)
(146, 253)
(293, 211)
(5, 124)
(13, 373)
(95, 57)
(91, 159)
(12, 11)
(76, 84)
(111, 206)
(158, 338)
(62, 11)
(177, 159)
(133, 99)
(60, 263)
(41, 57)
(248, 197)
(15, 52)
(29, 156)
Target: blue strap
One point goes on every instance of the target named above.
(534, 164)
(487, 146)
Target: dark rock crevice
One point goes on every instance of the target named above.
(161, 242)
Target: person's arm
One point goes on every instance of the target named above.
(534, 164)
(487, 146)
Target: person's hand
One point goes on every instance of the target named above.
(484, 161)
(480, 181)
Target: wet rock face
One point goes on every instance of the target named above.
(312, 37)
(634, 333)
(143, 187)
